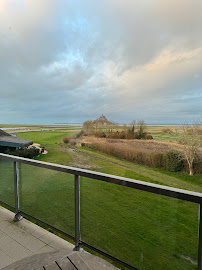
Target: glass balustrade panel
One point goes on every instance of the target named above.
(7, 182)
(145, 230)
(48, 196)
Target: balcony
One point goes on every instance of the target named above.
(163, 230)
(25, 245)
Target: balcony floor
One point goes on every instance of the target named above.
(25, 243)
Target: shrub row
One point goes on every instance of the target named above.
(167, 130)
(73, 137)
(123, 135)
(24, 152)
(170, 161)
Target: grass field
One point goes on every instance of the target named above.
(146, 230)
(45, 138)
(37, 126)
(164, 136)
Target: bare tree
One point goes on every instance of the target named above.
(141, 128)
(190, 137)
(133, 122)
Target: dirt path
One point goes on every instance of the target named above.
(75, 150)
(78, 160)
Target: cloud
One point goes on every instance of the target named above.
(68, 61)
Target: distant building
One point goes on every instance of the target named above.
(103, 121)
(9, 142)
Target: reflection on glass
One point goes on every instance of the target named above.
(146, 230)
(48, 195)
(7, 182)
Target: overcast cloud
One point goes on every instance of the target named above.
(68, 61)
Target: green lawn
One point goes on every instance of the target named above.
(165, 136)
(146, 230)
(46, 138)
(145, 173)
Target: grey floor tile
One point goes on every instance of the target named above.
(4, 239)
(45, 249)
(4, 260)
(48, 237)
(34, 244)
(31, 228)
(16, 251)
(60, 243)
(18, 235)
(4, 224)
(20, 240)
(9, 228)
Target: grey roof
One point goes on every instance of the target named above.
(11, 141)
(3, 133)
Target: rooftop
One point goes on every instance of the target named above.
(8, 140)
(3, 133)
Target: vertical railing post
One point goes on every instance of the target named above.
(200, 239)
(77, 211)
(17, 217)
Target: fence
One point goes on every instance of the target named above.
(149, 188)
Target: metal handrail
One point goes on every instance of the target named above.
(177, 193)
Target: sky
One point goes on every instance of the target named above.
(65, 61)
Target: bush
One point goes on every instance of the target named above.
(130, 136)
(100, 134)
(116, 135)
(198, 167)
(170, 161)
(167, 130)
(79, 134)
(72, 137)
(173, 161)
(138, 135)
(24, 152)
(157, 160)
(148, 137)
(88, 127)
(127, 134)
(67, 139)
(72, 142)
(83, 144)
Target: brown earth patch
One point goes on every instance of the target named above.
(79, 160)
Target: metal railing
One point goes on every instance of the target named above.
(135, 184)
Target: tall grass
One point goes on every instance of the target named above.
(170, 160)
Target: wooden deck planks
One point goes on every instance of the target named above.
(71, 262)
(52, 266)
(65, 264)
(78, 262)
